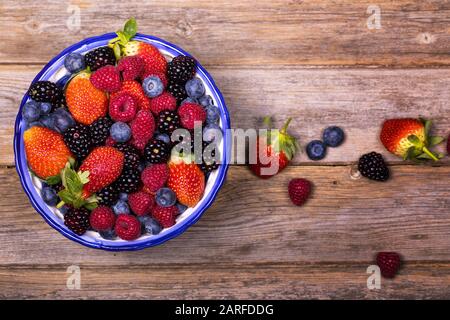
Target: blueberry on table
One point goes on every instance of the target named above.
(74, 62)
(333, 136)
(120, 132)
(165, 197)
(316, 150)
(31, 111)
(212, 114)
(152, 86)
(195, 88)
(49, 196)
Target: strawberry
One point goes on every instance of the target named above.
(86, 103)
(131, 67)
(186, 179)
(155, 177)
(190, 113)
(135, 90)
(299, 191)
(164, 101)
(279, 147)
(140, 203)
(142, 129)
(107, 79)
(389, 263)
(122, 107)
(47, 154)
(166, 216)
(409, 138)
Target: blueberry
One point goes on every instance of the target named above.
(211, 132)
(212, 114)
(49, 196)
(31, 111)
(108, 234)
(45, 108)
(195, 88)
(152, 86)
(163, 137)
(121, 207)
(74, 62)
(206, 100)
(63, 119)
(63, 80)
(49, 122)
(165, 197)
(150, 225)
(64, 209)
(123, 196)
(181, 207)
(120, 132)
(33, 124)
(189, 100)
(333, 136)
(316, 150)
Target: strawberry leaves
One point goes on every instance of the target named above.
(123, 37)
(419, 149)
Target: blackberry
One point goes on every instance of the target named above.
(60, 103)
(168, 121)
(128, 181)
(132, 157)
(100, 57)
(78, 140)
(45, 91)
(208, 162)
(372, 166)
(108, 196)
(99, 130)
(178, 91)
(156, 151)
(77, 220)
(181, 69)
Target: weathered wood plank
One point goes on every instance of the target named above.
(310, 32)
(226, 281)
(357, 100)
(253, 221)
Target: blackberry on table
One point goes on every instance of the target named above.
(45, 91)
(128, 181)
(107, 196)
(78, 140)
(132, 157)
(77, 220)
(178, 91)
(99, 130)
(181, 69)
(168, 121)
(100, 57)
(372, 166)
(156, 151)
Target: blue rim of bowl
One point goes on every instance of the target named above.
(111, 245)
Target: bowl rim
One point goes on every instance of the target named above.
(178, 228)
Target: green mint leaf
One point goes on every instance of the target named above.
(436, 140)
(130, 28)
(53, 180)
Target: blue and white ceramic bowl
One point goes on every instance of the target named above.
(55, 71)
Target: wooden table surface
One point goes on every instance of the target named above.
(314, 60)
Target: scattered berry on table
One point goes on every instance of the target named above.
(128, 181)
(181, 207)
(63, 119)
(212, 114)
(77, 220)
(165, 197)
(140, 202)
(211, 132)
(45, 108)
(107, 79)
(142, 129)
(131, 67)
(299, 190)
(190, 114)
(123, 107)
(108, 234)
(157, 151)
(150, 225)
(389, 263)
(316, 150)
(195, 88)
(333, 136)
(181, 69)
(372, 166)
(163, 137)
(168, 121)
(107, 196)
(177, 90)
(78, 139)
(49, 196)
(120, 132)
(164, 101)
(127, 227)
(74, 62)
(121, 207)
(206, 100)
(132, 157)
(45, 91)
(166, 216)
(153, 86)
(100, 57)
(100, 130)
(155, 177)
(31, 111)
(102, 218)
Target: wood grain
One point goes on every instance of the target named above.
(225, 281)
(357, 100)
(276, 32)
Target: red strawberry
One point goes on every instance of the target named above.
(155, 177)
(280, 148)
(190, 113)
(47, 154)
(135, 90)
(127, 227)
(122, 107)
(186, 179)
(161, 75)
(166, 216)
(142, 129)
(408, 138)
(299, 191)
(389, 263)
(102, 218)
(164, 101)
(131, 67)
(107, 79)
(140, 203)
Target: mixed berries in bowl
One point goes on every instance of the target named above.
(106, 141)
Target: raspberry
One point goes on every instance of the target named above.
(131, 67)
(299, 191)
(122, 107)
(153, 63)
(127, 227)
(102, 218)
(134, 88)
(142, 129)
(190, 113)
(164, 101)
(107, 79)
(155, 176)
(389, 263)
(165, 215)
(140, 203)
